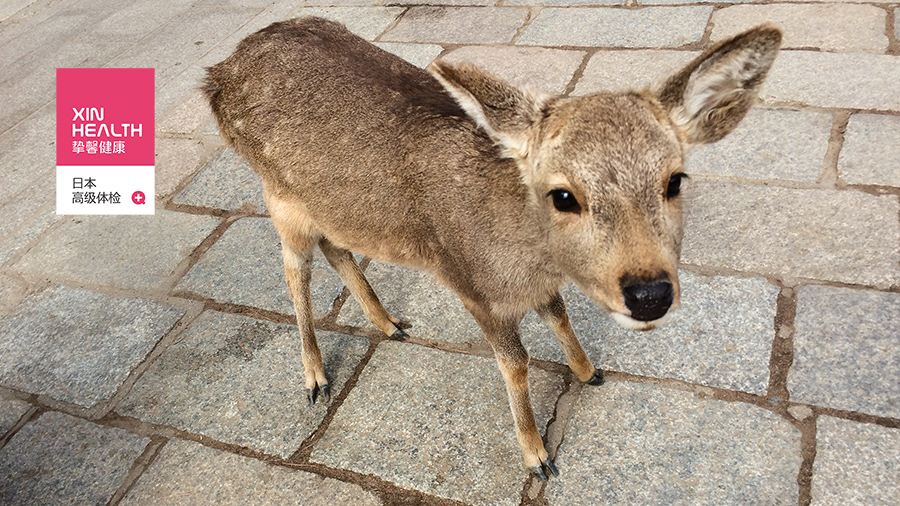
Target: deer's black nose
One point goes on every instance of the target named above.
(647, 301)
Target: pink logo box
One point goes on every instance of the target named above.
(104, 116)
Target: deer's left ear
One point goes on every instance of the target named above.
(711, 95)
(506, 112)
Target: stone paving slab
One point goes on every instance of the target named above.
(185, 116)
(27, 65)
(26, 154)
(281, 10)
(419, 55)
(417, 298)
(566, 2)
(245, 266)
(630, 69)
(185, 39)
(11, 411)
(8, 9)
(367, 22)
(841, 80)
(603, 27)
(721, 336)
(127, 252)
(871, 151)
(134, 23)
(844, 236)
(32, 84)
(435, 422)
(177, 159)
(191, 474)
(59, 459)
(460, 25)
(629, 443)
(25, 227)
(856, 463)
(241, 381)
(227, 182)
(845, 347)
(79, 346)
(542, 69)
(768, 144)
(829, 27)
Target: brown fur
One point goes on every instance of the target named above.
(451, 171)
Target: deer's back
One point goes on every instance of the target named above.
(374, 148)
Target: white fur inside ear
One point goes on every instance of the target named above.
(466, 101)
(512, 147)
(713, 82)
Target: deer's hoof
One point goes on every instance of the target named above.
(546, 466)
(324, 389)
(399, 335)
(596, 379)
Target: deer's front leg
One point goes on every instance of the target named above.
(513, 361)
(554, 315)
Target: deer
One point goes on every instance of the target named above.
(501, 192)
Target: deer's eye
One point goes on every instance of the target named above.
(674, 188)
(564, 201)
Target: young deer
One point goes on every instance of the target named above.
(500, 192)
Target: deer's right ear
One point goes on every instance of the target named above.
(503, 110)
(710, 96)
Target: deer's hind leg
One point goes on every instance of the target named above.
(298, 241)
(343, 262)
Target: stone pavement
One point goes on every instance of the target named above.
(154, 360)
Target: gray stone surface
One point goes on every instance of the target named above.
(241, 381)
(856, 463)
(28, 154)
(25, 227)
(58, 459)
(844, 236)
(542, 69)
(680, 2)
(419, 55)
(630, 70)
(845, 350)
(460, 25)
(768, 144)
(128, 252)
(189, 473)
(9, 8)
(566, 2)
(133, 23)
(29, 83)
(177, 159)
(185, 39)
(463, 3)
(415, 297)
(13, 290)
(871, 151)
(721, 335)
(11, 411)
(245, 267)
(78, 346)
(227, 182)
(648, 27)
(433, 421)
(367, 22)
(829, 27)
(630, 443)
(185, 116)
(842, 80)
